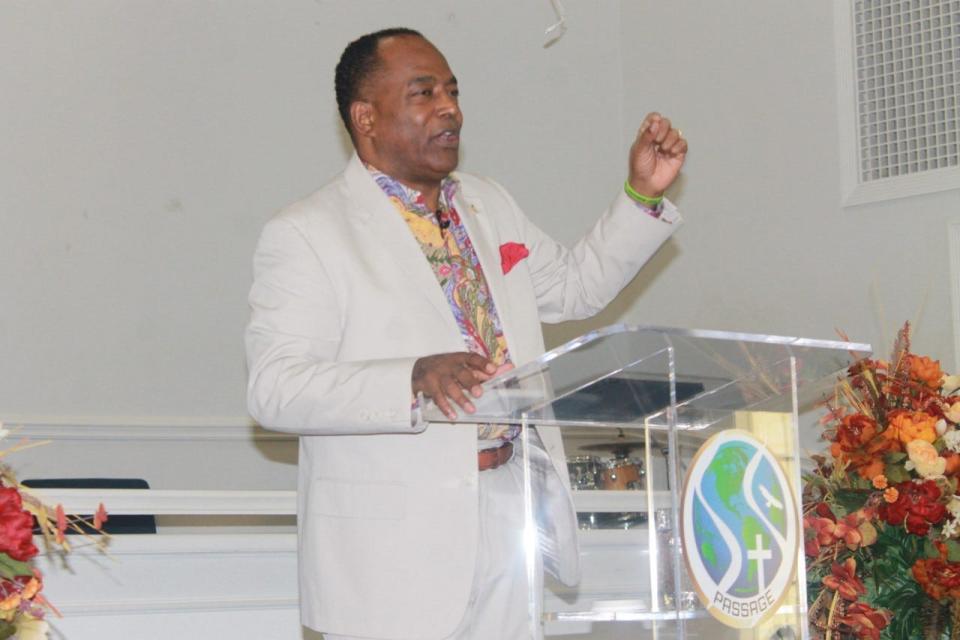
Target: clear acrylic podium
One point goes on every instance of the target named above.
(706, 540)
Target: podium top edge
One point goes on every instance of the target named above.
(790, 341)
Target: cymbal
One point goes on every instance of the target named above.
(623, 446)
(615, 447)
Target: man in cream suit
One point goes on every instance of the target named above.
(408, 530)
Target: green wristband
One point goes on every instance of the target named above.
(642, 199)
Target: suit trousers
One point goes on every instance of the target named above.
(500, 604)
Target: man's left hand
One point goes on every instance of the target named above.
(656, 156)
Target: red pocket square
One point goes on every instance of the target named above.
(510, 254)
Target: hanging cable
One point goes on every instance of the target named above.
(557, 29)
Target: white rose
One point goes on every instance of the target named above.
(953, 413)
(941, 426)
(925, 459)
(949, 384)
(31, 629)
(952, 440)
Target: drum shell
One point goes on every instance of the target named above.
(622, 474)
(584, 472)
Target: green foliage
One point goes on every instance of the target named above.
(849, 500)
(10, 568)
(6, 629)
(891, 584)
(814, 582)
(811, 480)
(896, 473)
(903, 595)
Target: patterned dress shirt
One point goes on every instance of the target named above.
(451, 255)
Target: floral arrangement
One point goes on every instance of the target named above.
(881, 510)
(22, 605)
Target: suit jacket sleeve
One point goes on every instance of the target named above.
(296, 383)
(579, 282)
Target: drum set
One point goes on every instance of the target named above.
(615, 472)
(594, 472)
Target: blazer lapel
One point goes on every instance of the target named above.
(391, 236)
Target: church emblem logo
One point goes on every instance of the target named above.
(739, 527)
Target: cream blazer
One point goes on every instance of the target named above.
(343, 302)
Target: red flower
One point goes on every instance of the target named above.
(825, 531)
(843, 579)
(917, 505)
(16, 526)
(858, 442)
(100, 517)
(510, 254)
(817, 532)
(61, 524)
(823, 510)
(939, 578)
(864, 621)
(855, 430)
(848, 531)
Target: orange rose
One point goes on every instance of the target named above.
(953, 464)
(870, 467)
(11, 602)
(925, 370)
(908, 426)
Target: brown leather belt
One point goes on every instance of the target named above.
(493, 458)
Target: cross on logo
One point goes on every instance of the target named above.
(760, 554)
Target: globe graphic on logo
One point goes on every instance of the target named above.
(739, 527)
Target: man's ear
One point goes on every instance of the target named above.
(363, 117)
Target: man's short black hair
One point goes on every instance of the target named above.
(357, 63)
